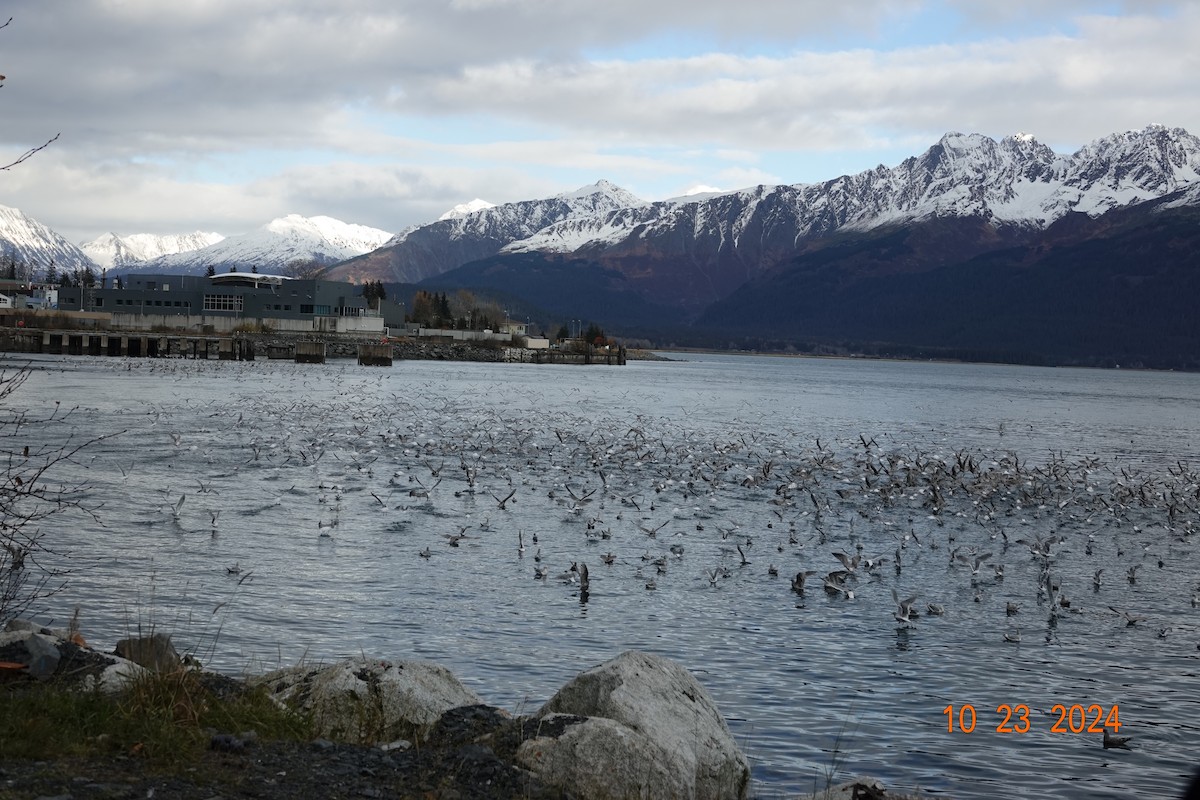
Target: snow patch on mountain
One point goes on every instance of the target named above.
(697, 193)
(463, 209)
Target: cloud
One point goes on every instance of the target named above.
(225, 113)
(825, 100)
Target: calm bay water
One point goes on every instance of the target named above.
(313, 481)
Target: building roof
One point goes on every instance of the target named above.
(247, 279)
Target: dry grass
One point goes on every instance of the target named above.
(167, 718)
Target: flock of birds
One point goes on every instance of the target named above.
(650, 500)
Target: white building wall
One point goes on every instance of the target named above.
(197, 323)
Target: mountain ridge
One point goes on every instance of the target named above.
(424, 251)
(113, 251)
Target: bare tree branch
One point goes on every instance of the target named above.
(29, 153)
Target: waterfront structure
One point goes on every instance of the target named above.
(23, 295)
(228, 302)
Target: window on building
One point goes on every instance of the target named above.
(99, 302)
(150, 285)
(222, 302)
(306, 309)
(321, 310)
(287, 308)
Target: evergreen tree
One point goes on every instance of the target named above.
(51, 274)
(211, 271)
(595, 335)
(373, 292)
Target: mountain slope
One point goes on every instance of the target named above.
(428, 250)
(565, 287)
(33, 247)
(1115, 289)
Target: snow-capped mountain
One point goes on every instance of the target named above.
(700, 247)
(426, 250)
(274, 247)
(692, 252)
(1015, 181)
(111, 250)
(33, 247)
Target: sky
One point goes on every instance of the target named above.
(221, 115)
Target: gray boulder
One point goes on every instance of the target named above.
(368, 701)
(664, 736)
(595, 758)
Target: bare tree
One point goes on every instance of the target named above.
(29, 494)
(308, 268)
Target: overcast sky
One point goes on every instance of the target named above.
(221, 115)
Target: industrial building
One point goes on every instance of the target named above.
(227, 302)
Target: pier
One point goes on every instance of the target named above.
(92, 343)
(248, 347)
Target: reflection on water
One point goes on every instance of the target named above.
(323, 485)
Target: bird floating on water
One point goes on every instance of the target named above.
(1116, 742)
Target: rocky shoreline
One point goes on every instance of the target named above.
(638, 725)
